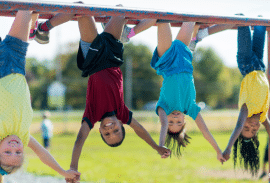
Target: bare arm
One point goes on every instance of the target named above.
(208, 136)
(82, 135)
(47, 159)
(186, 32)
(267, 128)
(143, 134)
(164, 126)
(238, 128)
(21, 25)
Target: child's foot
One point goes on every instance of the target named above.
(42, 37)
(202, 33)
(124, 37)
(240, 14)
(32, 34)
(262, 175)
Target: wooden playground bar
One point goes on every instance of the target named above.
(8, 8)
(103, 13)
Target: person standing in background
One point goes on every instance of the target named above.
(47, 129)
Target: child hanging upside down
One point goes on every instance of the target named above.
(15, 107)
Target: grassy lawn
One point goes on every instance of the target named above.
(135, 161)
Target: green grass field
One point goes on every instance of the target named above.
(135, 161)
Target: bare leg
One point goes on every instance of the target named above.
(34, 19)
(115, 26)
(88, 29)
(60, 18)
(164, 38)
(144, 24)
(195, 31)
(219, 27)
(21, 25)
(186, 32)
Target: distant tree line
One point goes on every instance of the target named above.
(216, 84)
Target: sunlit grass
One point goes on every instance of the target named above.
(135, 161)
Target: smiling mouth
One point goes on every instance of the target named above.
(14, 141)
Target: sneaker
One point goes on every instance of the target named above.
(192, 44)
(32, 34)
(200, 35)
(124, 37)
(42, 37)
(262, 175)
(240, 14)
(103, 25)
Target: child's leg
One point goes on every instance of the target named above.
(164, 38)
(34, 20)
(43, 34)
(258, 41)
(88, 29)
(115, 26)
(194, 41)
(143, 25)
(219, 27)
(195, 31)
(244, 41)
(21, 25)
(185, 33)
(33, 26)
(245, 57)
(58, 19)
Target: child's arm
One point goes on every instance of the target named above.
(142, 133)
(47, 159)
(208, 136)
(21, 25)
(164, 126)
(82, 135)
(267, 127)
(238, 128)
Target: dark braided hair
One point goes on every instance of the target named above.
(247, 149)
(175, 141)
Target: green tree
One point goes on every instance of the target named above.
(146, 83)
(38, 77)
(215, 83)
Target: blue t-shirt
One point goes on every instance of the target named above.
(177, 59)
(178, 91)
(12, 56)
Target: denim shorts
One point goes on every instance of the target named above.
(12, 56)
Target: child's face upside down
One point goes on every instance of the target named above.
(11, 151)
(176, 121)
(251, 126)
(111, 130)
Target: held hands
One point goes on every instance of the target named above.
(163, 151)
(226, 154)
(72, 176)
(220, 157)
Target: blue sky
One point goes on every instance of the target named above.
(223, 43)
